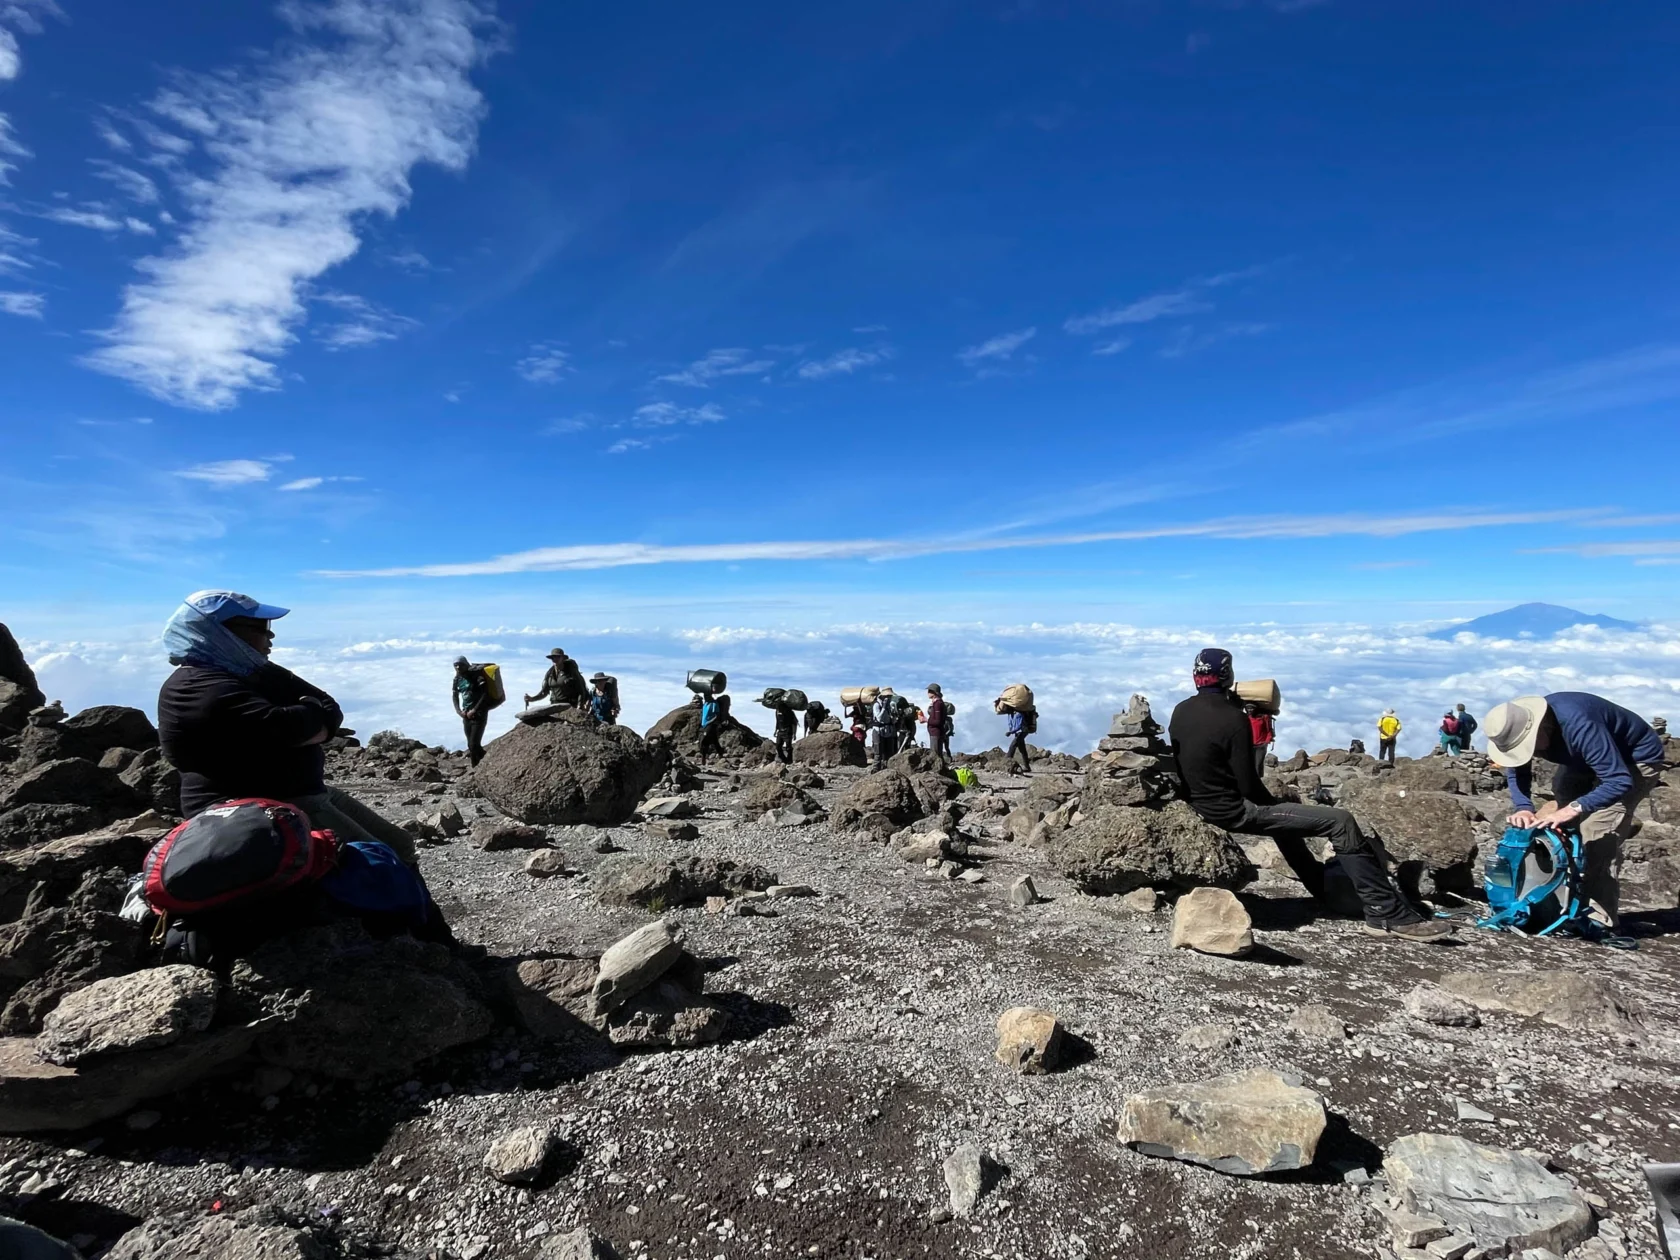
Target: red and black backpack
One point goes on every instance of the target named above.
(235, 850)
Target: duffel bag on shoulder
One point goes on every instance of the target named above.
(250, 847)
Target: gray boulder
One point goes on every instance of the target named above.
(258, 1233)
(570, 770)
(1505, 1201)
(356, 1007)
(1423, 831)
(1115, 850)
(883, 803)
(140, 1011)
(627, 879)
(1566, 999)
(831, 749)
(1244, 1123)
(577, 1244)
(154, 778)
(681, 728)
(111, 726)
(52, 951)
(73, 781)
(19, 693)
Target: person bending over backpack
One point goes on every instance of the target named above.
(1608, 761)
(1214, 749)
(235, 724)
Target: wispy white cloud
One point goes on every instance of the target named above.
(1114, 345)
(622, 555)
(663, 414)
(98, 220)
(128, 181)
(1187, 340)
(999, 349)
(843, 363)
(17, 15)
(718, 363)
(545, 364)
(364, 323)
(568, 424)
(312, 483)
(29, 305)
(870, 328)
(295, 150)
(409, 260)
(224, 473)
(1594, 551)
(1192, 298)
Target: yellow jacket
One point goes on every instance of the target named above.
(1388, 726)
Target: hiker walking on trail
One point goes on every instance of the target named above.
(939, 724)
(237, 725)
(1608, 760)
(1449, 734)
(1467, 726)
(471, 695)
(1388, 734)
(1213, 747)
(713, 710)
(787, 729)
(1017, 730)
(563, 683)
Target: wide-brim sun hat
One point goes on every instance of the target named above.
(1512, 729)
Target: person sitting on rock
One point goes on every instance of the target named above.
(237, 725)
(563, 683)
(1213, 747)
(787, 729)
(1608, 760)
(939, 733)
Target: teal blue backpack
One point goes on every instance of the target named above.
(1533, 883)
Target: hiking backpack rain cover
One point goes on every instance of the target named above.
(236, 850)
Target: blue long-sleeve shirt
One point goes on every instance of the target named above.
(1017, 722)
(1598, 738)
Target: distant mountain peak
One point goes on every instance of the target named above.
(1530, 621)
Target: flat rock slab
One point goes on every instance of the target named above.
(140, 1011)
(1244, 1123)
(1504, 1200)
(1212, 921)
(1566, 999)
(1434, 1005)
(633, 963)
(578, 1244)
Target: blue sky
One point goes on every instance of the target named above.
(429, 315)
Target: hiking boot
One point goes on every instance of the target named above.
(1423, 931)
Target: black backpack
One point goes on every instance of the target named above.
(1029, 722)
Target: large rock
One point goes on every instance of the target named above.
(38, 1095)
(555, 998)
(672, 1011)
(768, 793)
(577, 1244)
(634, 962)
(1422, 830)
(885, 802)
(570, 770)
(23, 694)
(1212, 921)
(1434, 1005)
(1566, 999)
(32, 824)
(51, 951)
(1115, 850)
(627, 879)
(59, 866)
(153, 777)
(73, 781)
(682, 728)
(1505, 1201)
(830, 748)
(140, 1011)
(111, 726)
(1245, 1123)
(257, 1233)
(357, 1007)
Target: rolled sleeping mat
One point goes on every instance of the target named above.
(707, 682)
(858, 695)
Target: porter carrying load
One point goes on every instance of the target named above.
(1016, 696)
(1263, 694)
(707, 682)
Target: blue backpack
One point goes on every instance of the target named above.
(1533, 883)
(371, 880)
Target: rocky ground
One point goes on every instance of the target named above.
(863, 996)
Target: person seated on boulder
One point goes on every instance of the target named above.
(1608, 760)
(563, 683)
(235, 724)
(1213, 746)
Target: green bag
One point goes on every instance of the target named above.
(967, 777)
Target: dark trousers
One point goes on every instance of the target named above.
(1018, 747)
(709, 737)
(1290, 825)
(1260, 751)
(886, 744)
(474, 727)
(1385, 750)
(940, 742)
(784, 744)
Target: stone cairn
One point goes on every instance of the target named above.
(1132, 765)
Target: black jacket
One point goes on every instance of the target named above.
(232, 736)
(1213, 745)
